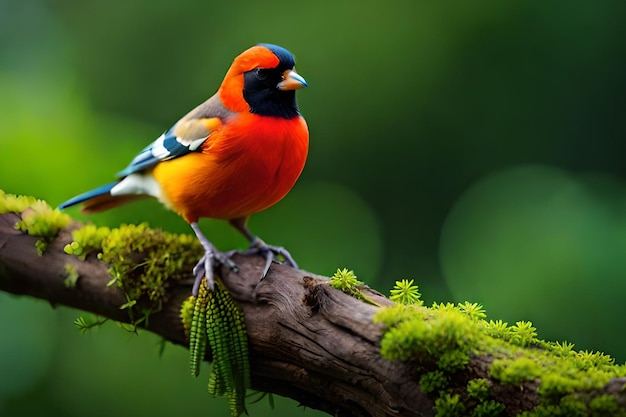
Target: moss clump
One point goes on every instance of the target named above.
(587, 360)
(557, 375)
(572, 406)
(475, 311)
(11, 203)
(563, 349)
(86, 240)
(489, 408)
(346, 281)
(449, 405)
(404, 292)
(142, 261)
(515, 371)
(43, 221)
(560, 371)
(425, 335)
(478, 388)
(434, 381)
(498, 329)
(575, 406)
(554, 385)
(606, 405)
(145, 261)
(37, 217)
(523, 333)
(439, 342)
(478, 395)
(453, 360)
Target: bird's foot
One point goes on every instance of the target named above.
(212, 259)
(271, 254)
(206, 265)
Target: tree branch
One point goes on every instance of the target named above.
(307, 340)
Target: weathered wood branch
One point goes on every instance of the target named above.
(307, 340)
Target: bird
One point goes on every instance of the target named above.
(236, 154)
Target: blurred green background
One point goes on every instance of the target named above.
(474, 147)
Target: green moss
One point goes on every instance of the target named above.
(71, 277)
(445, 336)
(560, 372)
(498, 329)
(453, 360)
(479, 392)
(10, 203)
(556, 385)
(489, 408)
(523, 333)
(563, 349)
(444, 307)
(579, 371)
(449, 405)
(346, 281)
(145, 261)
(549, 410)
(37, 217)
(478, 388)
(41, 220)
(515, 371)
(585, 360)
(606, 405)
(432, 382)
(422, 334)
(404, 292)
(391, 316)
(86, 240)
(571, 406)
(142, 261)
(475, 311)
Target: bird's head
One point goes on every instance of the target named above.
(262, 80)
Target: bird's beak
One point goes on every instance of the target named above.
(291, 81)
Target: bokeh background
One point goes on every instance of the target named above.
(477, 148)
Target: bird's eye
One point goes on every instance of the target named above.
(261, 74)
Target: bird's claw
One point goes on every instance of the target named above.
(270, 254)
(211, 259)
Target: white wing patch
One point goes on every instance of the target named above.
(138, 183)
(166, 146)
(195, 144)
(158, 150)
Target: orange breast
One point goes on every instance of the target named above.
(248, 165)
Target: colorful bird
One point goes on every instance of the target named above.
(234, 155)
